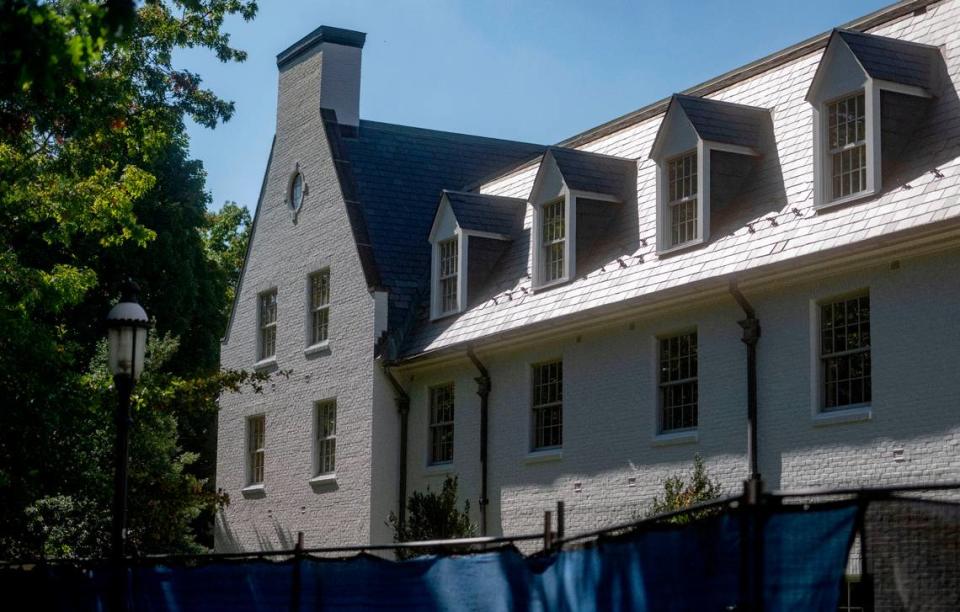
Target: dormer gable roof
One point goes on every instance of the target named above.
(881, 58)
(487, 214)
(588, 173)
(737, 125)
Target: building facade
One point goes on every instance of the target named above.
(562, 323)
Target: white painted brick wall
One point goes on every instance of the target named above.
(610, 403)
(282, 255)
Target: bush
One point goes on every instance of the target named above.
(432, 516)
(679, 494)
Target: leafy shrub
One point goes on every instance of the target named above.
(432, 516)
(678, 494)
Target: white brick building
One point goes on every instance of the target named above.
(588, 287)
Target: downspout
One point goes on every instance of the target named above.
(403, 407)
(483, 390)
(751, 334)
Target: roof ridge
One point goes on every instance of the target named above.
(897, 40)
(475, 194)
(748, 107)
(442, 134)
(593, 153)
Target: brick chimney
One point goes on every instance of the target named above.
(321, 70)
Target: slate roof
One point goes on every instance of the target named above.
(719, 121)
(398, 174)
(773, 227)
(890, 59)
(487, 213)
(586, 171)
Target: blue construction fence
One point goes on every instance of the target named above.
(775, 557)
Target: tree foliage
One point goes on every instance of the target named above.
(96, 185)
(432, 516)
(680, 493)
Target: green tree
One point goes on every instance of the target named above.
(680, 493)
(226, 236)
(96, 185)
(432, 516)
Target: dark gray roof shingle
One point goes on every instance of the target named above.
(487, 213)
(891, 59)
(398, 174)
(724, 122)
(585, 171)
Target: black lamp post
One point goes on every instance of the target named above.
(127, 334)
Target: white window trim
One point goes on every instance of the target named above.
(436, 300)
(248, 451)
(440, 466)
(848, 414)
(672, 437)
(570, 242)
(822, 160)
(319, 476)
(543, 453)
(267, 360)
(313, 348)
(664, 245)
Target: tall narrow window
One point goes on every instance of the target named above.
(678, 382)
(845, 352)
(548, 405)
(326, 429)
(847, 137)
(268, 324)
(553, 239)
(319, 306)
(448, 274)
(441, 424)
(682, 199)
(256, 439)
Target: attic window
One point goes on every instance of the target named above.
(553, 242)
(848, 145)
(448, 275)
(869, 95)
(683, 198)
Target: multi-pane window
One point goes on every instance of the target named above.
(553, 239)
(441, 424)
(449, 270)
(678, 382)
(845, 352)
(256, 437)
(319, 306)
(682, 198)
(847, 137)
(268, 324)
(548, 405)
(326, 430)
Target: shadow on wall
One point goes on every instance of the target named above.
(227, 542)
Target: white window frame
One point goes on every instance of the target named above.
(662, 385)
(323, 439)
(702, 151)
(256, 448)
(436, 299)
(452, 245)
(435, 426)
(314, 309)
(569, 241)
(534, 407)
(823, 154)
(262, 327)
(839, 414)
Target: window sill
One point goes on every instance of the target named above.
(256, 490)
(439, 469)
(690, 436)
(265, 364)
(855, 414)
(316, 349)
(550, 285)
(856, 197)
(679, 248)
(444, 315)
(323, 479)
(543, 456)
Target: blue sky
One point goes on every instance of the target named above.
(530, 70)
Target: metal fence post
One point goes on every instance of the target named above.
(561, 520)
(547, 531)
(295, 582)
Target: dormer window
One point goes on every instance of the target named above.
(869, 95)
(470, 232)
(553, 240)
(449, 264)
(574, 200)
(683, 198)
(704, 150)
